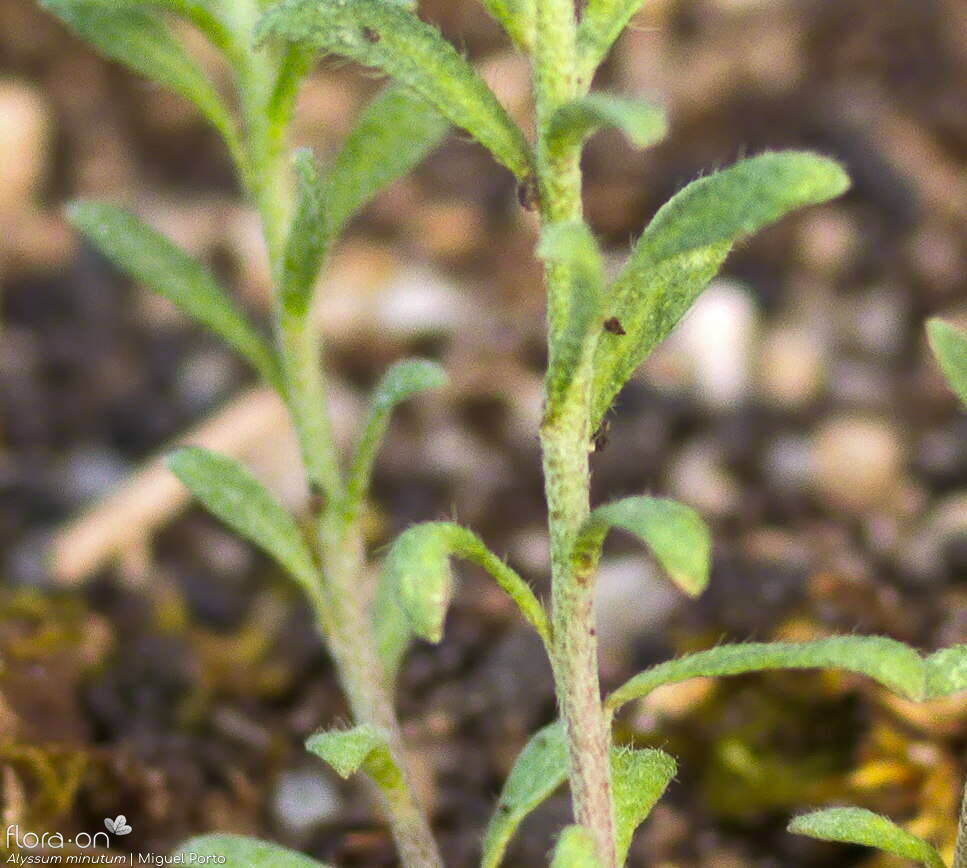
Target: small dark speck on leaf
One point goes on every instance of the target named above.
(370, 35)
(613, 326)
(528, 194)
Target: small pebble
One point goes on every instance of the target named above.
(791, 368)
(303, 799)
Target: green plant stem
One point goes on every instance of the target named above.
(342, 609)
(565, 441)
(349, 633)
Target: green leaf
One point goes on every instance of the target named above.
(169, 271)
(362, 747)
(859, 826)
(394, 133)
(674, 532)
(639, 778)
(305, 247)
(601, 24)
(946, 672)
(949, 345)
(573, 122)
(400, 382)
(540, 768)
(139, 39)
(571, 246)
(575, 849)
(237, 851)
(893, 664)
(418, 566)
(517, 17)
(382, 35)
(232, 494)
(685, 245)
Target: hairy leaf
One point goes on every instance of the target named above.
(674, 532)
(946, 672)
(517, 17)
(362, 747)
(305, 247)
(167, 270)
(859, 826)
(233, 495)
(949, 345)
(418, 566)
(639, 777)
(575, 849)
(540, 768)
(893, 664)
(139, 39)
(394, 133)
(573, 122)
(400, 382)
(572, 246)
(239, 850)
(601, 24)
(685, 245)
(382, 35)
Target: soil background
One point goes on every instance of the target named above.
(172, 675)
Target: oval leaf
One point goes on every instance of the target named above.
(601, 24)
(305, 247)
(232, 494)
(517, 17)
(575, 849)
(387, 37)
(859, 826)
(163, 268)
(893, 664)
(685, 245)
(363, 747)
(639, 778)
(418, 567)
(239, 850)
(139, 39)
(540, 768)
(675, 533)
(643, 124)
(949, 345)
(394, 133)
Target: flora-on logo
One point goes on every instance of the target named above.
(118, 826)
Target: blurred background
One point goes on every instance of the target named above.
(151, 664)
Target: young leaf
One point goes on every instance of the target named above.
(687, 242)
(362, 747)
(239, 850)
(859, 826)
(639, 777)
(418, 566)
(167, 270)
(517, 17)
(949, 345)
(572, 246)
(540, 768)
(394, 133)
(575, 849)
(232, 494)
(946, 672)
(305, 247)
(139, 39)
(676, 535)
(382, 35)
(893, 664)
(400, 382)
(573, 122)
(601, 24)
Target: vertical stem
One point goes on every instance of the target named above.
(361, 673)
(960, 848)
(565, 440)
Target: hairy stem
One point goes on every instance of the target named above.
(960, 848)
(564, 442)
(343, 607)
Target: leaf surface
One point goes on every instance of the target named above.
(859, 826)
(949, 345)
(363, 748)
(238, 851)
(642, 123)
(639, 778)
(575, 849)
